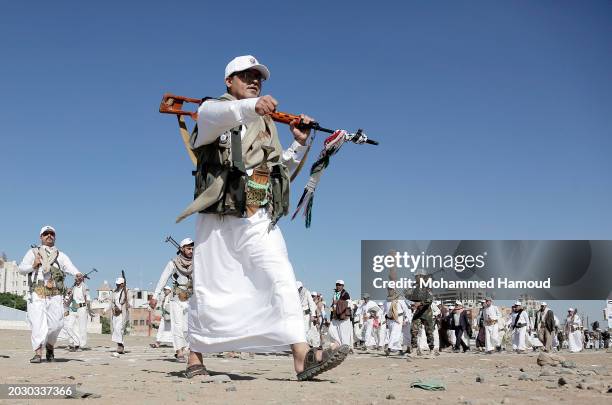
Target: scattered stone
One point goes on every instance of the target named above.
(562, 381)
(218, 379)
(552, 386)
(609, 390)
(581, 386)
(568, 364)
(390, 396)
(521, 369)
(232, 388)
(545, 359)
(546, 373)
(566, 371)
(480, 379)
(524, 377)
(601, 371)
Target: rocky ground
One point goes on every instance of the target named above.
(147, 375)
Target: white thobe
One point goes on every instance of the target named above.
(117, 321)
(574, 339)
(45, 314)
(341, 331)
(395, 327)
(309, 309)
(80, 295)
(491, 315)
(519, 335)
(179, 310)
(164, 332)
(363, 312)
(243, 283)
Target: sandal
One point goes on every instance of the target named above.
(193, 370)
(36, 359)
(154, 345)
(331, 358)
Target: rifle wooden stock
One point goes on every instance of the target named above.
(173, 104)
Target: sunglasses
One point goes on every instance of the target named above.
(249, 75)
(48, 233)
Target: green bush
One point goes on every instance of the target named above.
(106, 329)
(13, 301)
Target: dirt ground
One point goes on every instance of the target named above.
(151, 376)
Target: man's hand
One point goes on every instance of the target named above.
(266, 105)
(300, 135)
(37, 262)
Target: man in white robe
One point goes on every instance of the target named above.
(80, 317)
(46, 268)
(240, 257)
(406, 334)
(309, 310)
(341, 327)
(364, 314)
(179, 270)
(492, 317)
(119, 309)
(520, 323)
(396, 311)
(573, 329)
(164, 330)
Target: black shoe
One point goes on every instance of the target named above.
(50, 355)
(35, 359)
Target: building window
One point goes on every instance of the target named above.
(25, 283)
(135, 323)
(139, 295)
(142, 322)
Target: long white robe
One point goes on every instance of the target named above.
(406, 333)
(309, 311)
(164, 332)
(367, 331)
(519, 335)
(45, 314)
(80, 295)
(574, 339)
(179, 310)
(492, 315)
(395, 327)
(117, 321)
(245, 297)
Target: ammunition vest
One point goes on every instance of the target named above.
(221, 174)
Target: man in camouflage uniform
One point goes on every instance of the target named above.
(423, 315)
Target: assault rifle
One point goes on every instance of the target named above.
(173, 104)
(174, 242)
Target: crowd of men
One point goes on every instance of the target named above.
(395, 326)
(401, 326)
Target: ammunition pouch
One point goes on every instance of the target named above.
(44, 291)
(116, 310)
(58, 276)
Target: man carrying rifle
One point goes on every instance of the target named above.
(46, 267)
(240, 257)
(80, 302)
(180, 270)
(119, 311)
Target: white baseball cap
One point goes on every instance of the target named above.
(46, 228)
(518, 303)
(185, 242)
(313, 293)
(120, 280)
(167, 288)
(299, 284)
(340, 282)
(543, 303)
(240, 63)
(458, 303)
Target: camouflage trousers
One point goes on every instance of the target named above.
(422, 316)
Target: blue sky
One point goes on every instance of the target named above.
(493, 118)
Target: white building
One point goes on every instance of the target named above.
(11, 281)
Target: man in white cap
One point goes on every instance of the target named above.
(545, 325)
(164, 331)
(396, 311)
(492, 317)
(240, 257)
(180, 271)
(80, 300)
(363, 313)
(309, 310)
(46, 268)
(573, 330)
(519, 324)
(341, 328)
(119, 310)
